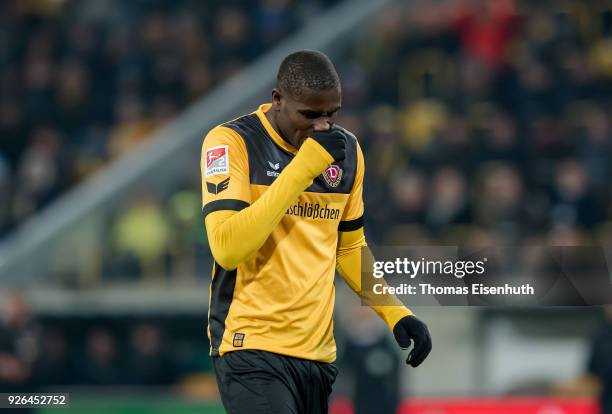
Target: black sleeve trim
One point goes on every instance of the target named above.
(351, 225)
(229, 204)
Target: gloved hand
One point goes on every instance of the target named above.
(333, 141)
(409, 329)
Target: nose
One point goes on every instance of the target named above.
(321, 124)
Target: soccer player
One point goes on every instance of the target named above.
(282, 191)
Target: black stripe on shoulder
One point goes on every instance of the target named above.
(246, 126)
(351, 225)
(229, 204)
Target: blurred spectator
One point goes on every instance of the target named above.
(598, 136)
(232, 38)
(73, 98)
(408, 194)
(149, 363)
(449, 200)
(55, 365)
(452, 146)
(39, 172)
(101, 364)
(142, 231)
(499, 199)
(19, 342)
(187, 245)
(485, 28)
(574, 203)
(372, 359)
(600, 361)
(274, 21)
(131, 126)
(500, 141)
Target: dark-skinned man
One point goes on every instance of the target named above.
(283, 208)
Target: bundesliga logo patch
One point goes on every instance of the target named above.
(333, 175)
(217, 161)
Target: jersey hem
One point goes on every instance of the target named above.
(279, 351)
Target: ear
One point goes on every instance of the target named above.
(276, 99)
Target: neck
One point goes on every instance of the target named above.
(271, 115)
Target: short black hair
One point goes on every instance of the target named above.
(306, 69)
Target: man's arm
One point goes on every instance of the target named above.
(352, 252)
(233, 235)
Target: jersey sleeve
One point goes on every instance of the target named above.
(352, 255)
(235, 235)
(225, 171)
(352, 218)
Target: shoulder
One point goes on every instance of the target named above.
(352, 141)
(221, 133)
(233, 134)
(349, 134)
(353, 148)
(222, 140)
(247, 126)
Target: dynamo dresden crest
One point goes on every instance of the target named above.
(333, 175)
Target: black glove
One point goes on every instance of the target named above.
(410, 329)
(333, 140)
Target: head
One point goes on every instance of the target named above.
(307, 96)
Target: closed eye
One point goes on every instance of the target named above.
(312, 114)
(315, 114)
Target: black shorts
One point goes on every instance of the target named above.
(256, 382)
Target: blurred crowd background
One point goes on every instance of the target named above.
(38, 352)
(482, 122)
(485, 121)
(82, 82)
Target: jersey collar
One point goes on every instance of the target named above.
(271, 131)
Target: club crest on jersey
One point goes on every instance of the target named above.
(217, 161)
(333, 175)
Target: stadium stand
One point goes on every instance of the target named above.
(481, 122)
(83, 82)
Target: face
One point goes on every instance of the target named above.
(297, 118)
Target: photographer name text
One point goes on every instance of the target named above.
(456, 268)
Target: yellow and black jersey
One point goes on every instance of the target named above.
(280, 297)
